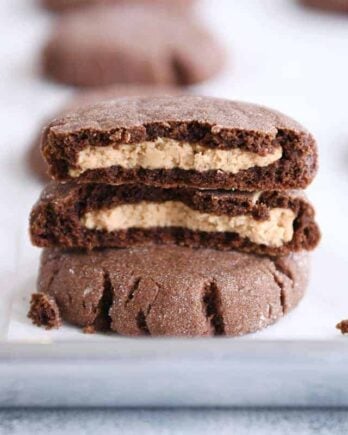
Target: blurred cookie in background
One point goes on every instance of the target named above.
(65, 5)
(36, 163)
(329, 5)
(137, 45)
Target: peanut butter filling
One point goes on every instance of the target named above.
(275, 231)
(164, 153)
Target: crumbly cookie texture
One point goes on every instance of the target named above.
(92, 216)
(343, 326)
(181, 141)
(44, 311)
(86, 98)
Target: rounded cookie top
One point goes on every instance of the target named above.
(212, 123)
(85, 98)
(172, 290)
(139, 112)
(134, 44)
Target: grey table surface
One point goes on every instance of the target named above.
(200, 421)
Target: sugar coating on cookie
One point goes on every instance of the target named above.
(192, 141)
(103, 216)
(133, 44)
(171, 290)
(88, 97)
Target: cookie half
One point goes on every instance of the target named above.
(88, 97)
(191, 141)
(167, 290)
(98, 215)
(136, 45)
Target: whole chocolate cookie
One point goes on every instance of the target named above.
(85, 98)
(102, 46)
(167, 290)
(329, 5)
(65, 5)
(200, 142)
(91, 216)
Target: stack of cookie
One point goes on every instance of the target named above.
(173, 216)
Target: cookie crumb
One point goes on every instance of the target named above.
(343, 326)
(44, 311)
(89, 329)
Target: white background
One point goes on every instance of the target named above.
(280, 55)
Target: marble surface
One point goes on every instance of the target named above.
(174, 422)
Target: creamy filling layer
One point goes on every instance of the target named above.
(275, 231)
(164, 153)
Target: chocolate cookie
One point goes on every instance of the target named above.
(343, 326)
(64, 5)
(330, 5)
(102, 46)
(85, 98)
(167, 290)
(98, 215)
(191, 141)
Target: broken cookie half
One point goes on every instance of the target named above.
(103, 216)
(169, 290)
(185, 141)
